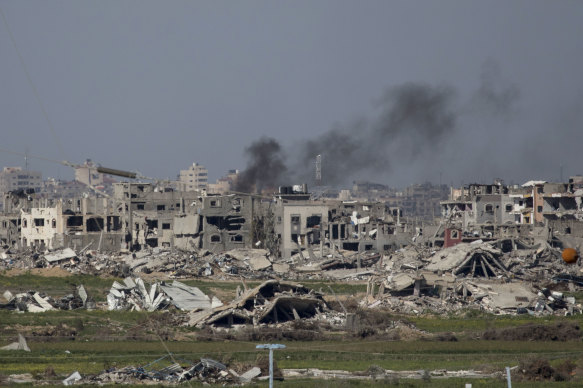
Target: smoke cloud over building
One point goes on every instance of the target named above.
(411, 115)
(411, 124)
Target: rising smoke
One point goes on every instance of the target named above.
(412, 115)
(412, 120)
(265, 166)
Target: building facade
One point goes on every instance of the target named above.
(195, 178)
(15, 178)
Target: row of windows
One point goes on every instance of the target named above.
(488, 208)
(38, 222)
(216, 238)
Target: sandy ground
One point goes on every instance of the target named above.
(48, 272)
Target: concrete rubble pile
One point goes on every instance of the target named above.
(412, 279)
(334, 264)
(484, 275)
(133, 295)
(33, 301)
(251, 263)
(272, 302)
(169, 369)
(10, 259)
(420, 294)
(473, 259)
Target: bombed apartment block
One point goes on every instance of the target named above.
(299, 225)
(147, 214)
(477, 210)
(336, 225)
(188, 220)
(227, 221)
(10, 230)
(528, 211)
(421, 201)
(366, 226)
(75, 223)
(40, 227)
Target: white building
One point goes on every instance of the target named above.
(194, 178)
(40, 226)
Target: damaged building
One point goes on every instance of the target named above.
(535, 210)
(271, 302)
(306, 225)
(183, 219)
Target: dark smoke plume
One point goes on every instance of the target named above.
(265, 166)
(412, 117)
(412, 124)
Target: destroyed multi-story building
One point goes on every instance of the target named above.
(421, 201)
(141, 215)
(496, 210)
(487, 210)
(299, 224)
(10, 225)
(303, 224)
(183, 219)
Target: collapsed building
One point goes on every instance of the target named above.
(537, 210)
(271, 302)
(139, 215)
(143, 215)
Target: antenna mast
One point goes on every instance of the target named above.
(318, 170)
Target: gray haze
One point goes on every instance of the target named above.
(395, 91)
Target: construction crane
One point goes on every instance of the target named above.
(100, 169)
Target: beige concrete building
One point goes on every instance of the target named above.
(15, 178)
(40, 226)
(194, 178)
(87, 174)
(224, 184)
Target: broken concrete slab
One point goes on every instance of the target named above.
(189, 298)
(401, 281)
(19, 345)
(247, 253)
(134, 295)
(72, 379)
(259, 263)
(250, 374)
(57, 256)
(280, 268)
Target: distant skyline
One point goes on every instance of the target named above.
(154, 86)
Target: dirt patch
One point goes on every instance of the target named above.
(154, 277)
(60, 332)
(46, 272)
(539, 369)
(222, 294)
(562, 331)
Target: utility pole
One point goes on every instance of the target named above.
(270, 347)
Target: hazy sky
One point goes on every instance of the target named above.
(153, 86)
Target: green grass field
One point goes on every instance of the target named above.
(103, 339)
